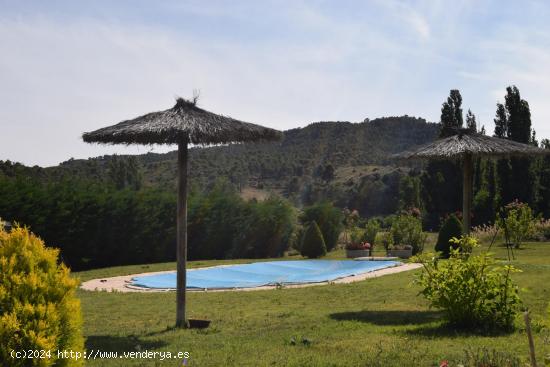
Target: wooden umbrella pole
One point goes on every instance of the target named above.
(181, 252)
(467, 193)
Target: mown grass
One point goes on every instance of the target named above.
(377, 322)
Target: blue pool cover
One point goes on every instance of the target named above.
(264, 273)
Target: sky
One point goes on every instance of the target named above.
(68, 67)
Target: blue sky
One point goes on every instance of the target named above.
(72, 66)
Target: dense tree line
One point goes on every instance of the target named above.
(97, 225)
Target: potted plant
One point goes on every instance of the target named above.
(400, 251)
(357, 249)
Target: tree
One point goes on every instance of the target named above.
(442, 179)
(515, 175)
(313, 244)
(471, 122)
(451, 113)
(501, 122)
(544, 193)
(519, 116)
(409, 192)
(328, 218)
(450, 229)
(327, 173)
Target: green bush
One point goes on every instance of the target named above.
(517, 222)
(452, 227)
(387, 240)
(39, 309)
(371, 230)
(407, 230)
(356, 236)
(473, 290)
(328, 218)
(266, 229)
(313, 244)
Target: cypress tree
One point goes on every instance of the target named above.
(544, 193)
(471, 122)
(516, 176)
(313, 244)
(442, 178)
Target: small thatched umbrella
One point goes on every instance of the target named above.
(465, 145)
(183, 124)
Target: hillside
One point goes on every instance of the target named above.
(300, 153)
(341, 161)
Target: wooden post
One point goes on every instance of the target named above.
(181, 251)
(467, 193)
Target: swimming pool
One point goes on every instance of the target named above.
(264, 273)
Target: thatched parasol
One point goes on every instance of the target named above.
(183, 124)
(465, 145)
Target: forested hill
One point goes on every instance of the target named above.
(303, 152)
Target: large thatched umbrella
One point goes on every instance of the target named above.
(465, 146)
(183, 124)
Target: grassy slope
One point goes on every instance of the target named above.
(375, 322)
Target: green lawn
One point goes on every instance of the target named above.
(377, 322)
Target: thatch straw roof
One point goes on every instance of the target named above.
(185, 121)
(465, 142)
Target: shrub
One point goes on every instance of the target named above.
(387, 240)
(356, 236)
(266, 229)
(452, 227)
(371, 230)
(407, 230)
(313, 244)
(517, 222)
(39, 309)
(328, 218)
(472, 290)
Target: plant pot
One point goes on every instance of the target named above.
(352, 254)
(198, 323)
(402, 254)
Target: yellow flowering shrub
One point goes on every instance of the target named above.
(39, 311)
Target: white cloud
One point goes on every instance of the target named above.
(283, 67)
